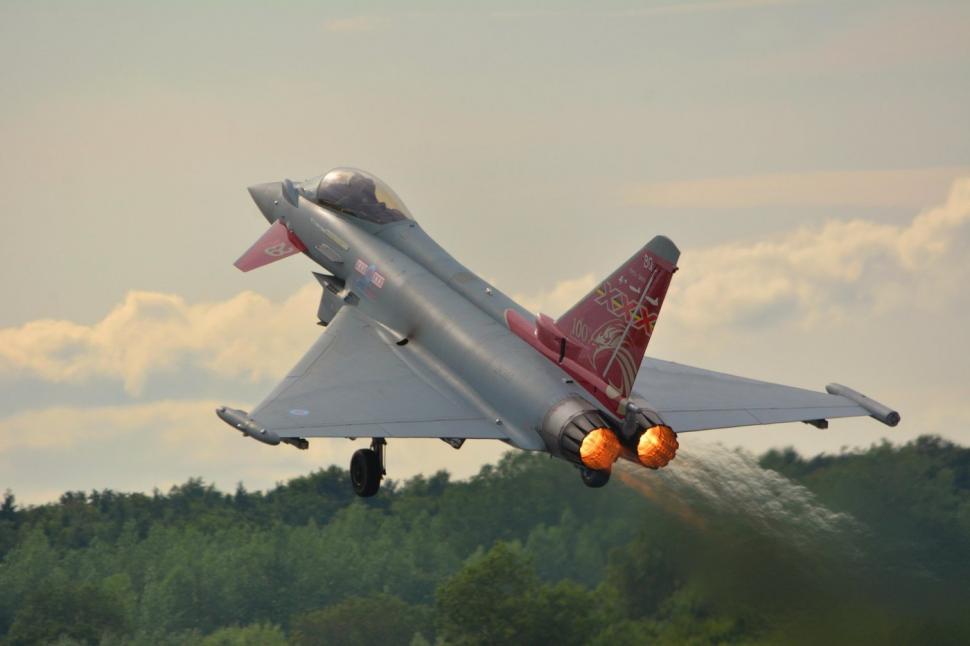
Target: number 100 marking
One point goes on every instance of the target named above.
(580, 330)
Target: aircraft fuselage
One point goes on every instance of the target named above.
(407, 282)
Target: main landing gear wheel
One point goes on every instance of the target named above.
(367, 469)
(594, 478)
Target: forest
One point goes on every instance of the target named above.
(863, 547)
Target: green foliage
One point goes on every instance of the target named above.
(498, 599)
(488, 601)
(361, 621)
(254, 635)
(8, 522)
(917, 496)
(64, 609)
(8, 509)
(641, 577)
(522, 553)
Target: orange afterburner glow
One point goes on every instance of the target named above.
(600, 449)
(657, 446)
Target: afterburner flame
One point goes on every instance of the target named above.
(657, 446)
(600, 449)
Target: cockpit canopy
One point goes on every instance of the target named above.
(356, 193)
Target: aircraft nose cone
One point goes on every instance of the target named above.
(267, 196)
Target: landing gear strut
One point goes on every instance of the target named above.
(367, 468)
(593, 477)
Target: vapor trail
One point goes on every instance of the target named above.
(709, 480)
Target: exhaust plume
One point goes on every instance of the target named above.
(711, 480)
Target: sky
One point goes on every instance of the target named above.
(811, 159)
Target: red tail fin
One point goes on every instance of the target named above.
(613, 323)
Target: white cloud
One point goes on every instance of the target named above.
(246, 336)
(66, 427)
(869, 188)
(561, 297)
(814, 274)
(829, 273)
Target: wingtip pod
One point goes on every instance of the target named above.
(876, 410)
(241, 421)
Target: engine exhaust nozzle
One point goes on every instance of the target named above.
(657, 446)
(600, 449)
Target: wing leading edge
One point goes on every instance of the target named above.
(355, 381)
(693, 399)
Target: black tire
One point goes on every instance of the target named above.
(593, 478)
(365, 473)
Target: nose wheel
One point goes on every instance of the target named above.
(367, 468)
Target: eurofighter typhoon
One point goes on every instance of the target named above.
(417, 346)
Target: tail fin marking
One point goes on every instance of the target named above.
(608, 330)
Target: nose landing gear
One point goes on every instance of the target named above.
(367, 468)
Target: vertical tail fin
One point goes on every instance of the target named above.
(612, 325)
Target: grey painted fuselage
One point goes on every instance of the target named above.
(438, 305)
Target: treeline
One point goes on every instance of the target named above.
(521, 553)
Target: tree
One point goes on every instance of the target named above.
(252, 635)
(8, 509)
(488, 602)
(599, 566)
(497, 599)
(8, 523)
(378, 619)
(57, 609)
(641, 575)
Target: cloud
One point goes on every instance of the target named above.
(898, 36)
(708, 7)
(247, 336)
(353, 24)
(561, 297)
(142, 446)
(870, 188)
(811, 275)
(66, 427)
(667, 9)
(829, 273)
(882, 307)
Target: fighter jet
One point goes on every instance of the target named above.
(418, 346)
